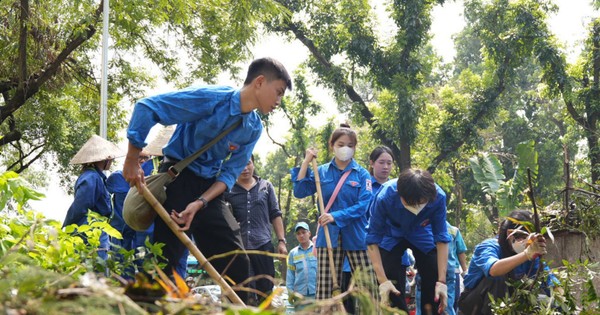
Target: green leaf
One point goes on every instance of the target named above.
(111, 231)
(527, 225)
(488, 172)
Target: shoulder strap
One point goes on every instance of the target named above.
(175, 169)
(337, 190)
(263, 184)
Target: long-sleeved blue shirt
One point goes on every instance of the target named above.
(254, 209)
(350, 206)
(201, 114)
(119, 187)
(391, 222)
(486, 254)
(406, 261)
(302, 271)
(90, 193)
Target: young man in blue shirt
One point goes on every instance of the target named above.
(195, 197)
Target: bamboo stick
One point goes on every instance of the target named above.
(212, 272)
(336, 286)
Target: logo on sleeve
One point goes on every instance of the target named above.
(233, 146)
(369, 185)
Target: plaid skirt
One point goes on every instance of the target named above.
(359, 261)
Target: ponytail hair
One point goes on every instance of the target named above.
(343, 129)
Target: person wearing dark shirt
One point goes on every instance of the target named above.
(255, 207)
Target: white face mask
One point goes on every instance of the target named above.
(416, 208)
(519, 246)
(343, 153)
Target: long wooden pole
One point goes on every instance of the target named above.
(206, 265)
(334, 275)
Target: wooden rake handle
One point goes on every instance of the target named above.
(212, 272)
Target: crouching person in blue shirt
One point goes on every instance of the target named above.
(515, 254)
(301, 280)
(398, 214)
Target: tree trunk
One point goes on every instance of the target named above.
(592, 106)
(594, 154)
(404, 159)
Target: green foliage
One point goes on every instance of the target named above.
(488, 172)
(49, 77)
(574, 294)
(28, 239)
(504, 195)
(13, 188)
(509, 196)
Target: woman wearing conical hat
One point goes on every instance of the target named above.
(118, 187)
(95, 156)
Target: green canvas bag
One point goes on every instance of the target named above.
(137, 212)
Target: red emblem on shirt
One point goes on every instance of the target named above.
(353, 183)
(425, 223)
(233, 146)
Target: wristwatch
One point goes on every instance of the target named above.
(204, 202)
(282, 240)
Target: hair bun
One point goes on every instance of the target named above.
(344, 125)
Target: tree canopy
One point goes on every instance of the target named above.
(49, 56)
(509, 85)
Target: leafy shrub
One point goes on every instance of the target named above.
(575, 294)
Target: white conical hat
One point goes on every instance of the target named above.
(155, 146)
(97, 149)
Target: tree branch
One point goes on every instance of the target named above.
(488, 97)
(22, 61)
(6, 86)
(348, 88)
(277, 143)
(35, 158)
(13, 134)
(23, 156)
(37, 80)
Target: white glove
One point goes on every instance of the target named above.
(441, 296)
(384, 291)
(537, 246)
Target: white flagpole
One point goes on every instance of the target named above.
(103, 82)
